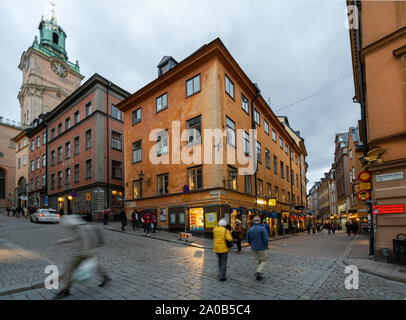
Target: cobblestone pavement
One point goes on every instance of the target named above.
(302, 267)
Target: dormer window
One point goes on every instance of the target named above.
(165, 65)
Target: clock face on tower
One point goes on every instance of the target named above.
(59, 69)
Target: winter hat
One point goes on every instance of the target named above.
(222, 223)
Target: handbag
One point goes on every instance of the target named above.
(228, 243)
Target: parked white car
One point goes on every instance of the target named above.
(45, 215)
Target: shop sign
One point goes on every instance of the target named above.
(363, 195)
(364, 176)
(211, 219)
(261, 201)
(389, 176)
(272, 202)
(365, 185)
(394, 208)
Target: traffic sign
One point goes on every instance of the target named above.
(74, 194)
(185, 197)
(363, 195)
(365, 185)
(186, 189)
(364, 176)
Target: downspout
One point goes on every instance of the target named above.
(107, 145)
(46, 161)
(253, 126)
(363, 118)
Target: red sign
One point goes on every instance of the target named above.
(363, 195)
(364, 176)
(391, 208)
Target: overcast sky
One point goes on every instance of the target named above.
(292, 49)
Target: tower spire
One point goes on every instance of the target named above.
(53, 17)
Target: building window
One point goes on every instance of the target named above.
(3, 184)
(76, 173)
(88, 169)
(44, 138)
(275, 165)
(259, 156)
(67, 123)
(52, 181)
(286, 148)
(43, 180)
(115, 112)
(194, 130)
(76, 117)
(287, 173)
(32, 145)
(59, 129)
(18, 163)
(59, 154)
(350, 154)
(267, 159)
(137, 189)
(116, 140)
(266, 127)
(193, 85)
(291, 154)
(260, 188)
(137, 155)
(163, 184)
(44, 160)
(24, 160)
(32, 166)
(31, 184)
(281, 143)
(244, 103)
(162, 102)
(162, 143)
(288, 196)
(37, 161)
(37, 182)
(248, 184)
(230, 131)
(38, 142)
(52, 133)
(195, 178)
(232, 178)
(116, 199)
(296, 159)
(229, 87)
(88, 109)
(297, 179)
(136, 116)
(282, 171)
(246, 137)
(59, 179)
(76, 145)
(88, 136)
(116, 169)
(269, 187)
(25, 143)
(257, 118)
(67, 176)
(67, 150)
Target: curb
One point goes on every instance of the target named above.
(22, 288)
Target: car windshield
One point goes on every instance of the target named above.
(49, 211)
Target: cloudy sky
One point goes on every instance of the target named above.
(292, 49)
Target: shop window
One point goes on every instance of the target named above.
(196, 219)
(116, 199)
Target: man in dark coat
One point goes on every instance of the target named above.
(349, 227)
(355, 228)
(123, 219)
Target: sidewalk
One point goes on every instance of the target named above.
(163, 235)
(358, 255)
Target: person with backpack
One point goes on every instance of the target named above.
(87, 238)
(123, 219)
(222, 242)
(258, 240)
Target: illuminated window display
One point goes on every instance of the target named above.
(196, 219)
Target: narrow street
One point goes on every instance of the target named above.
(301, 267)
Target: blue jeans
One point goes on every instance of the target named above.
(222, 264)
(147, 227)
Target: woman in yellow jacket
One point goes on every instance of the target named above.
(220, 234)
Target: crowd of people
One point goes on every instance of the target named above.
(319, 227)
(20, 211)
(352, 227)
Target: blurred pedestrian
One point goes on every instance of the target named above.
(106, 215)
(237, 234)
(349, 227)
(220, 236)
(355, 228)
(87, 238)
(258, 240)
(147, 220)
(154, 222)
(308, 226)
(329, 227)
(25, 210)
(18, 211)
(134, 219)
(333, 227)
(123, 219)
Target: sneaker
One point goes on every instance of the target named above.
(258, 276)
(223, 279)
(62, 294)
(105, 280)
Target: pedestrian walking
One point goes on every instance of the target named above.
(107, 212)
(314, 228)
(123, 219)
(135, 219)
(258, 240)
(25, 210)
(220, 236)
(147, 220)
(237, 234)
(87, 238)
(349, 228)
(329, 227)
(333, 227)
(154, 222)
(355, 228)
(18, 211)
(308, 226)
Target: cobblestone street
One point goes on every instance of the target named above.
(301, 267)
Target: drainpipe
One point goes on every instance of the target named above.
(46, 160)
(253, 126)
(363, 118)
(108, 151)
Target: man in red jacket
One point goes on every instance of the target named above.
(147, 219)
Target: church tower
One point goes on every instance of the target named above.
(48, 76)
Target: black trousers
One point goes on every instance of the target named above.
(222, 264)
(238, 241)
